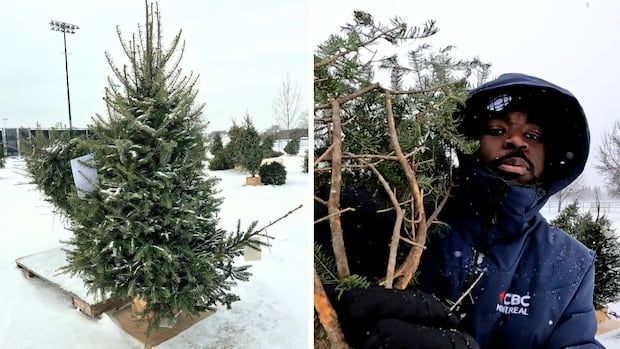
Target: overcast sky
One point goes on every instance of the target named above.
(574, 44)
(241, 49)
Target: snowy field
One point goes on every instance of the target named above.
(275, 306)
(610, 340)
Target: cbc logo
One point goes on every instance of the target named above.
(506, 298)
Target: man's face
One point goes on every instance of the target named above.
(513, 148)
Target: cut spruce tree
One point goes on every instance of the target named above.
(150, 230)
(384, 125)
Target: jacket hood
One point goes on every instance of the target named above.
(555, 109)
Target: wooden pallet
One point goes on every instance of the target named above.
(43, 265)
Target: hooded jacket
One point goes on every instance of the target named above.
(535, 282)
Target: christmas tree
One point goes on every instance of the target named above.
(249, 147)
(597, 234)
(150, 230)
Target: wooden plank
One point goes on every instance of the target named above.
(43, 264)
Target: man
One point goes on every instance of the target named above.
(530, 285)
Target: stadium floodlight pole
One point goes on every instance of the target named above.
(65, 28)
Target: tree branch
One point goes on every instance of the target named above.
(327, 316)
(333, 203)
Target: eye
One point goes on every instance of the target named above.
(494, 131)
(535, 136)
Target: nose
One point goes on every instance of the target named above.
(516, 140)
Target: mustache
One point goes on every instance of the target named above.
(517, 154)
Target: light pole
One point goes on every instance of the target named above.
(65, 28)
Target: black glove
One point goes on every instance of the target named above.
(388, 318)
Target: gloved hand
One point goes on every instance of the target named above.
(388, 318)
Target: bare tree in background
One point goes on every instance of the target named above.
(287, 105)
(609, 158)
(572, 191)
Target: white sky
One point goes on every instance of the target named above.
(241, 49)
(574, 44)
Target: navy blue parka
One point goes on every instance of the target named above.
(535, 282)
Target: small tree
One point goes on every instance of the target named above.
(267, 146)
(597, 234)
(272, 173)
(609, 158)
(222, 157)
(217, 145)
(288, 105)
(249, 147)
(292, 147)
(304, 166)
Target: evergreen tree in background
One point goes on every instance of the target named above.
(150, 231)
(597, 234)
(217, 145)
(222, 158)
(1, 156)
(267, 146)
(292, 147)
(249, 146)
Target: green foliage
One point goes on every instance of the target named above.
(217, 145)
(597, 234)
(48, 163)
(304, 166)
(272, 173)
(234, 147)
(222, 156)
(267, 146)
(292, 147)
(151, 230)
(325, 267)
(248, 147)
(425, 91)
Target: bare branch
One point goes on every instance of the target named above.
(329, 215)
(389, 277)
(467, 292)
(324, 155)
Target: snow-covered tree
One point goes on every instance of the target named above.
(292, 147)
(597, 234)
(150, 230)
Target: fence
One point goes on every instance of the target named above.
(607, 206)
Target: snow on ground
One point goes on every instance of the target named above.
(611, 340)
(275, 306)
